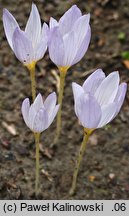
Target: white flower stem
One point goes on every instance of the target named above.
(81, 153)
(37, 137)
(63, 72)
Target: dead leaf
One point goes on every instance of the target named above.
(10, 128)
(45, 151)
(11, 185)
(126, 63)
(91, 178)
(86, 73)
(57, 78)
(47, 175)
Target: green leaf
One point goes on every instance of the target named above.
(125, 55)
(121, 36)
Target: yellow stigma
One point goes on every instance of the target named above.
(63, 69)
(88, 131)
(31, 66)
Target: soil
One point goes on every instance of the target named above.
(104, 172)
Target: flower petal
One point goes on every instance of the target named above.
(10, 25)
(67, 21)
(70, 49)
(45, 32)
(40, 50)
(88, 111)
(33, 26)
(34, 108)
(31, 116)
(50, 103)
(107, 90)
(83, 47)
(77, 91)
(81, 28)
(41, 121)
(42, 45)
(22, 47)
(56, 47)
(51, 107)
(120, 96)
(93, 81)
(53, 23)
(25, 110)
(108, 113)
(53, 114)
(38, 103)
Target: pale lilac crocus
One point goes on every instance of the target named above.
(40, 114)
(69, 38)
(30, 45)
(38, 117)
(97, 102)
(99, 99)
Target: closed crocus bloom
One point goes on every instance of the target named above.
(68, 42)
(99, 99)
(69, 38)
(30, 45)
(39, 116)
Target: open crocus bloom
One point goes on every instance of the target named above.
(99, 100)
(30, 45)
(69, 38)
(39, 116)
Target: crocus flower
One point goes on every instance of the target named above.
(69, 38)
(39, 116)
(68, 42)
(99, 99)
(30, 45)
(97, 102)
